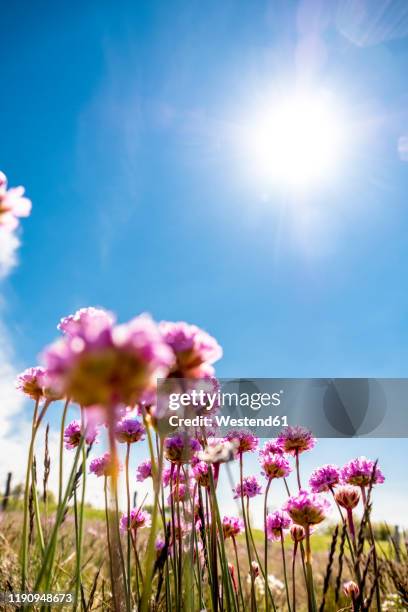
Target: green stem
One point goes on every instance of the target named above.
(284, 571)
(309, 572)
(266, 545)
(128, 534)
(61, 450)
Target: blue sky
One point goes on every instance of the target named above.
(121, 121)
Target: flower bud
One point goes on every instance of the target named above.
(351, 590)
(297, 533)
(347, 497)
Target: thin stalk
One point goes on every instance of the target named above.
(128, 534)
(266, 544)
(80, 522)
(309, 572)
(284, 571)
(61, 450)
(241, 477)
(109, 539)
(298, 470)
(295, 546)
(37, 512)
(375, 560)
(239, 573)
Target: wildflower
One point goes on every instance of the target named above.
(271, 447)
(324, 478)
(103, 466)
(144, 471)
(297, 533)
(180, 448)
(232, 526)
(360, 471)
(218, 450)
(274, 466)
(276, 523)
(72, 434)
(244, 441)
(178, 476)
(306, 509)
(129, 430)
(180, 492)
(109, 365)
(13, 205)
(159, 544)
(194, 349)
(296, 440)
(250, 488)
(84, 319)
(351, 590)
(347, 497)
(138, 519)
(30, 382)
(201, 473)
(254, 569)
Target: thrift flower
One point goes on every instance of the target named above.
(244, 441)
(307, 509)
(84, 318)
(274, 466)
(232, 526)
(347, 497)
(138, 519)
(30, 382)
(201, 473)
(129, 430)
(324, 478)
(296, 440)
(72, 435)
(144, 471)
(297, 533)
(103, 466)
(271, 447)
(218, 450)
(359, 472)
(250, 488)
(180, 448)
(351, 590)
(194, 349)
(276, 523)
(13, 205)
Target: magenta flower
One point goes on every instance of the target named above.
(30, 382)
(243, 440)
(307, 509)
(72, 434)
(276, 523)
(347, 497)
(297, 533)
(103, 466)
(178, 475)
(180, 492)
(250, 488)
(195, 350)
(144, 471)
(232, 526)
(129, 430)
(86, 319)
(109, 365)
(360, 471)
(274, 466)
(138, 519)
(296, 440)
(324, 478)
(180, 448)
(201, 473)
(271, 447)
(13, 205)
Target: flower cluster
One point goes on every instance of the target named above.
(250, 488)
(307, 509)
(276, 523)
(361, 472)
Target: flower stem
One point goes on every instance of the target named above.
(266, 545)
(284, 570)
(309, 572)
(61, 450)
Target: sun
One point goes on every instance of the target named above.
(297, 141)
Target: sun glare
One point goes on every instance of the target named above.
(298, 141)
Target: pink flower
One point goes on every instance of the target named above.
(129, 430)
(296, 440)
(201, 473)
(307, 509)
(232, 526)
(144, 471)
(297, 533)
(276, 523)
(86, 319)
(180, 448)
(109, 365)
(138, 519)
(360, 471)
(177, 476)
(274, 466)
(195, 350)
(13, 205)
(30, 382)
(72, 434)
(271, 447)
(347, 497)
(103, 466)
(324, 478)
(244, 441)
(180, 492)
(351, 590)
(250, 488)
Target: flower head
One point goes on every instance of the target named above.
(307, 509)
(232, 526)
(271, 447)
(296, 440)
(129, 430)
(351, 589)
(144, 470)
(30, 382)
(324, 478)
(347, 497)
(13, 205)
(274, 466)
(180, 448)
(201, 473)
(72, 434)
(85, 319)
(360, 472)
(103, 466)
(108, 365)
(297, 533)
(250, 488)
(138, 519)
(276, 523)
(194, 349)
(244, 441)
